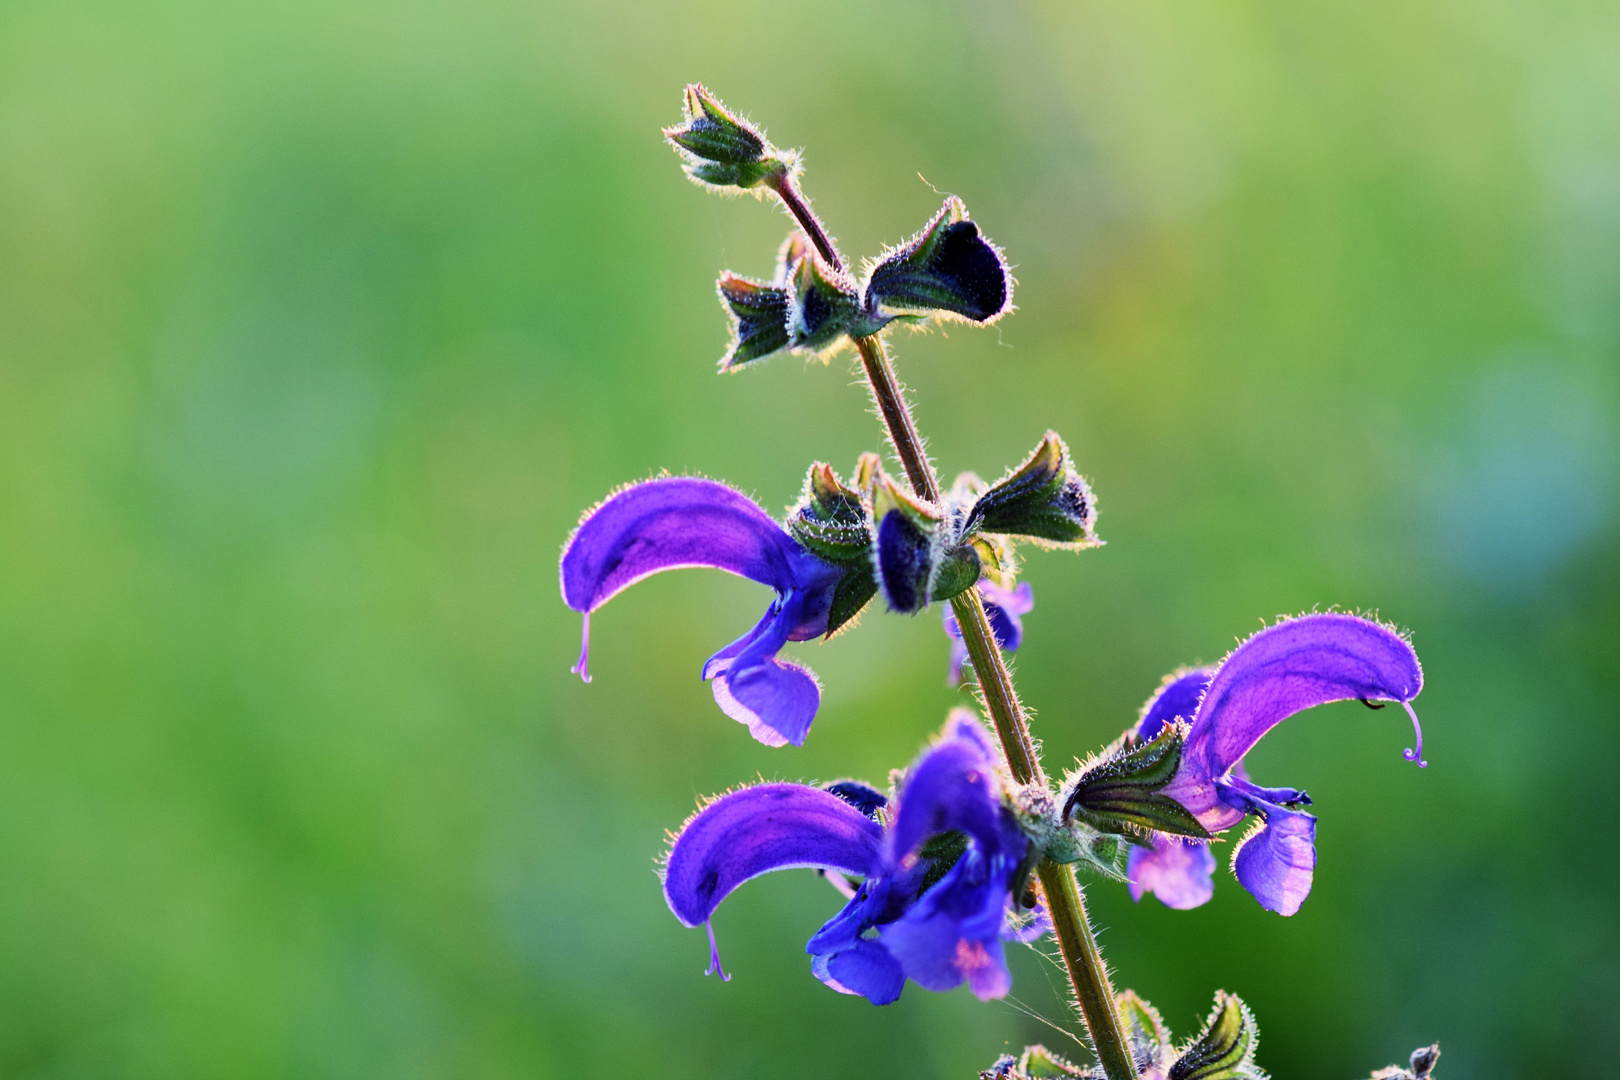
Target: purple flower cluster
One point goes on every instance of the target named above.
(940, 865)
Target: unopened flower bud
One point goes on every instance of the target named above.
(904, 552)
(720, 148)
(947, 269)
(821, 304)
(1043, 499)
(758, 314)
(1420, 1067)
(1423, 1061)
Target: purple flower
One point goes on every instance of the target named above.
(939, 863)
(1006, 608)
(1282, 670)
(680, 521)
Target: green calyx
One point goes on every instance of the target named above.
(1144, 1028)
(1044, 500)
(831, 519)
(1224, 1050)
(832, 523)
(1120, 793)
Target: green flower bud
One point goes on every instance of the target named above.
(720, 149)
(1149, 1039)
(1224, 1050)
(758, 312)
(1043, 500)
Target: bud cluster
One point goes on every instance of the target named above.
(1223, 1050)
(812, 304)
(918, 552)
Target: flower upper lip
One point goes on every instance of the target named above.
(1280, 671)
(673, 522)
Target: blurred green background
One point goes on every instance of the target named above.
(321, 323)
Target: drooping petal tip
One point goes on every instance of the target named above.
(1276, 861)
(777, 699)
(759, 829)
(1180, 873)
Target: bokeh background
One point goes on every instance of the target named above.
(321, 323)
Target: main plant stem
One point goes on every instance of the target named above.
(1064, 900)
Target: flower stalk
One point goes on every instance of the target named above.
(1088, 975)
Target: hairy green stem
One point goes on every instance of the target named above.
(788, 192)
(1064, 899)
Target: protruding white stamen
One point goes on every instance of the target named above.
(714, 955)
(580, 668)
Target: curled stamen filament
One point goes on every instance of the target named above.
(714, 955)
(1416, 753)
(580, 668)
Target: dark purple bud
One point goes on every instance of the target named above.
(917, 557)
(948, 269)
(822, 302)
